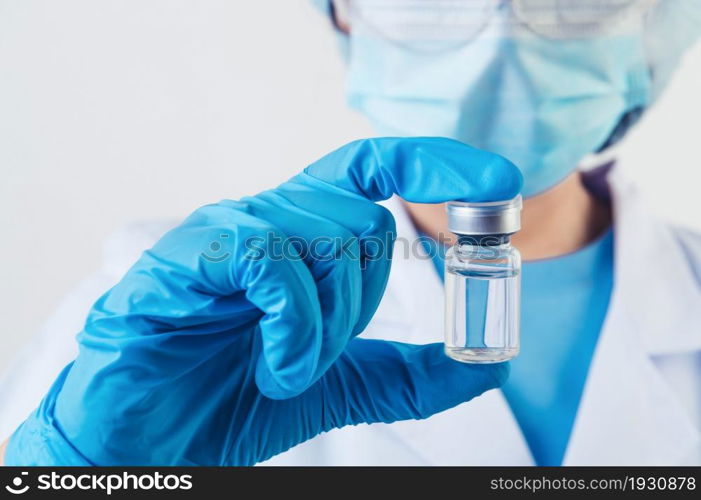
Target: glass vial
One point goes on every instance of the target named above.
(483, 282)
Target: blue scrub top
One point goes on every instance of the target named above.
(563, 305)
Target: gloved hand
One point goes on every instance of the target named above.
(227, 344)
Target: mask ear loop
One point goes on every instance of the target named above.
(355, 16)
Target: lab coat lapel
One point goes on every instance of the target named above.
(628, 414)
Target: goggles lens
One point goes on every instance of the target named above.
(462, 20)
(581, 18)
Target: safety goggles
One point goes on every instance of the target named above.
(462, 20)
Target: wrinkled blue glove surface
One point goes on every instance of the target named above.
(227, 343)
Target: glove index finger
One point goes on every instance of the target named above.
(419, 169)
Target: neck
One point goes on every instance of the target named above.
(556, 222)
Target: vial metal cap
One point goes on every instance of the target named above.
(494, 217)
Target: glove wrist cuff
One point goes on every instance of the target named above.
(40, 442)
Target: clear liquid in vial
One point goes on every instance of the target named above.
(482, 313)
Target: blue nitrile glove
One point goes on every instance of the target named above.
(215, 350)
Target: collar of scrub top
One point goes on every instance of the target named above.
(647, 269)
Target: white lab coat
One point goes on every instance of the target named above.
(641, 403)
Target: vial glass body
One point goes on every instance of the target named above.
(482, 300)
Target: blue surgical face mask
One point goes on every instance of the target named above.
(543, 103)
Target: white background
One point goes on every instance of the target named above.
(114, 111)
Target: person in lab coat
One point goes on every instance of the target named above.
(610, 368)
